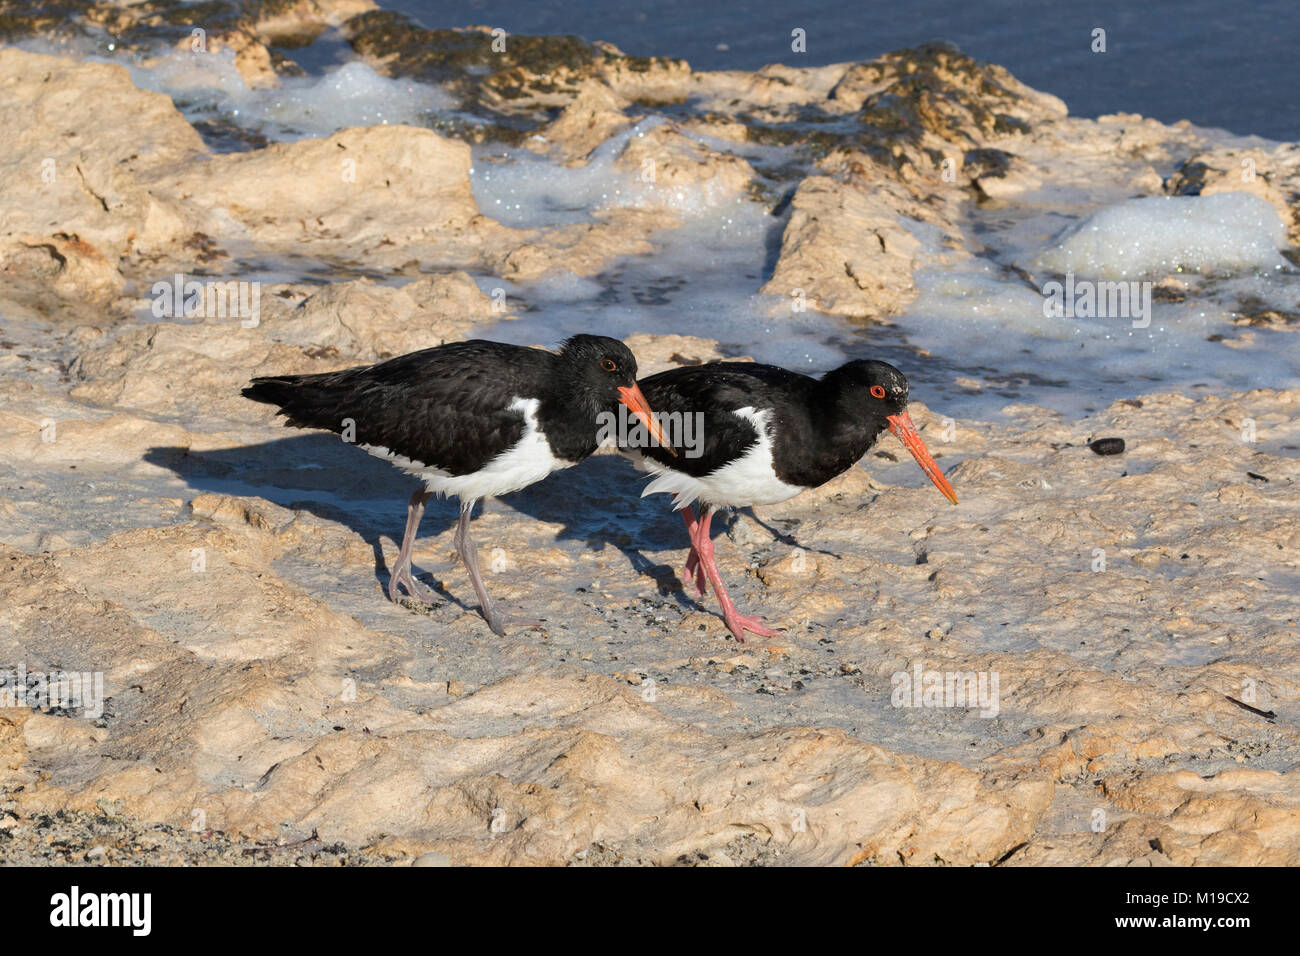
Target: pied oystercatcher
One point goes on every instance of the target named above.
(768, 434)
(470, 419)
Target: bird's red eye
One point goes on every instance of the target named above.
(609, 365)
(878, 391)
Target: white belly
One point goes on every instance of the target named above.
(526, 462)
(749, 480)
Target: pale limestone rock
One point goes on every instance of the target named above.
(81, 139)
(583, 248)
(365, 191)
(845, 251)
(1271, 174)
(581, 758)
(676, 170)
(655, 353)
(1238, 817)
(200, 368)
(595, 114)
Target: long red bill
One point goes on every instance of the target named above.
(630, 395)
(901, 425)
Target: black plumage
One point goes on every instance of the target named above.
(819, 428)
(449, 407)
(765, 435)
(472, 419)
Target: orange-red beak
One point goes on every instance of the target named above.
(630, 395)
(901, 425)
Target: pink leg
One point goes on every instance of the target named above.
(736, 622)
(693, 568)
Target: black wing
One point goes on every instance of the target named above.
(447, 407)
(716, 391)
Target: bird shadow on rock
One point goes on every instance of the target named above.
(596, 502)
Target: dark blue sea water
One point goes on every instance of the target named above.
(1230, 65)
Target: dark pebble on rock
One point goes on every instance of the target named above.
(1107, 446)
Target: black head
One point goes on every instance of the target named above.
(877, 388)
(877, 392)
(600, 375)
(599, 366)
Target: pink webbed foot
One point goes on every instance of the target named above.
(738, 624)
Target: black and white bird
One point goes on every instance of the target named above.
(767, 435)
(470, 419)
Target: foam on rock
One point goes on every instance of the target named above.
(349, 95)
(1225, 233)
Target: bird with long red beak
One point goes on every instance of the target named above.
(472, 419)
(767, 434)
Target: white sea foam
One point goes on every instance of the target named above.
(350, 95)
(983, 328)
(1226, 233)
(207, 85)
(703, 278)
(523, 189)
(989, 342)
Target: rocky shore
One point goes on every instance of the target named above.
(1137, 613)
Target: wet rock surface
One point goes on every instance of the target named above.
(1122, 628)
(273, 688)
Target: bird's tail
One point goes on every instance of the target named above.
(276, 390)
(306, 401)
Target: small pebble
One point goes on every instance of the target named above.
(1107, 446)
